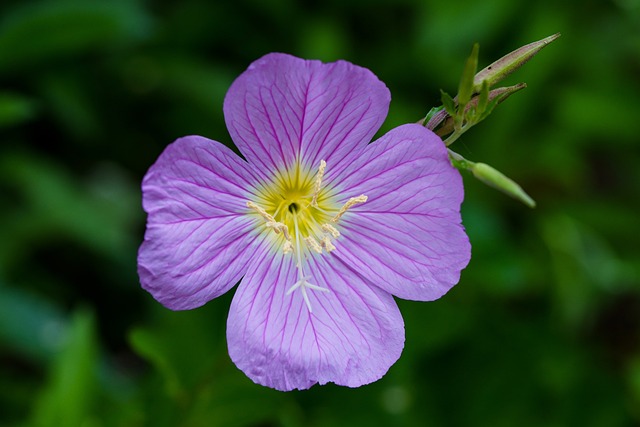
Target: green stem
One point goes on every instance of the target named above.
(458, 161)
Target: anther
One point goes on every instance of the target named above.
(313, 244)
(318, 184)
(268, 218)
(350, 203)
(287, 248)
(328, 228)
(326, 244)
(278, 227)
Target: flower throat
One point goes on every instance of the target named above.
(303, 216)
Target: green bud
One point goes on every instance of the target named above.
(509, 63)
(499, 181)
(485, 106)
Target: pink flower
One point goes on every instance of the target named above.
(320, 227)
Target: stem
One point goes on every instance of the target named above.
(458, 161)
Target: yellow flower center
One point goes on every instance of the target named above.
(303, 216)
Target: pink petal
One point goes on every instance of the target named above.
(407, 238)
(284, 108)
(198, 241)
(353, 335)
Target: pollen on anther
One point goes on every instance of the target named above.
(313, 244)
(278, 228)
(318, 184)
(350, 203)
(328, 228)
(268, 218)
(326, 244)
(270, 221)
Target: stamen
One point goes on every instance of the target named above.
(268, 218)
(328, 228)
(313, 244)
(326, 244)
(318, 184)
(278, 227)
(350, 203)
(298, 205)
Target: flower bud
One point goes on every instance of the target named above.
(496, 96)
(498, 180)
(509, 63)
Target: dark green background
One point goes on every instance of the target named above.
(544, 327)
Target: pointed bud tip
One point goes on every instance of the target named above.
(499, 181)
(552, 37)
(509, 63)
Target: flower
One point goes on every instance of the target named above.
(320, 227)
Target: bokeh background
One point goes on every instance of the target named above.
(544, 327)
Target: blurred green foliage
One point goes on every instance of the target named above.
(544, 327)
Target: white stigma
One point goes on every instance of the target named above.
(302, 279)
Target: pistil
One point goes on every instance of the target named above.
(302, 280)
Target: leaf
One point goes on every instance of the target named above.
(46, 30)
(15, 109)
(483, 99)
(448, 103)
(151, 347)
(30, 326)
(68, 396)
(465, 89)
(183, 348)
(60, 205)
